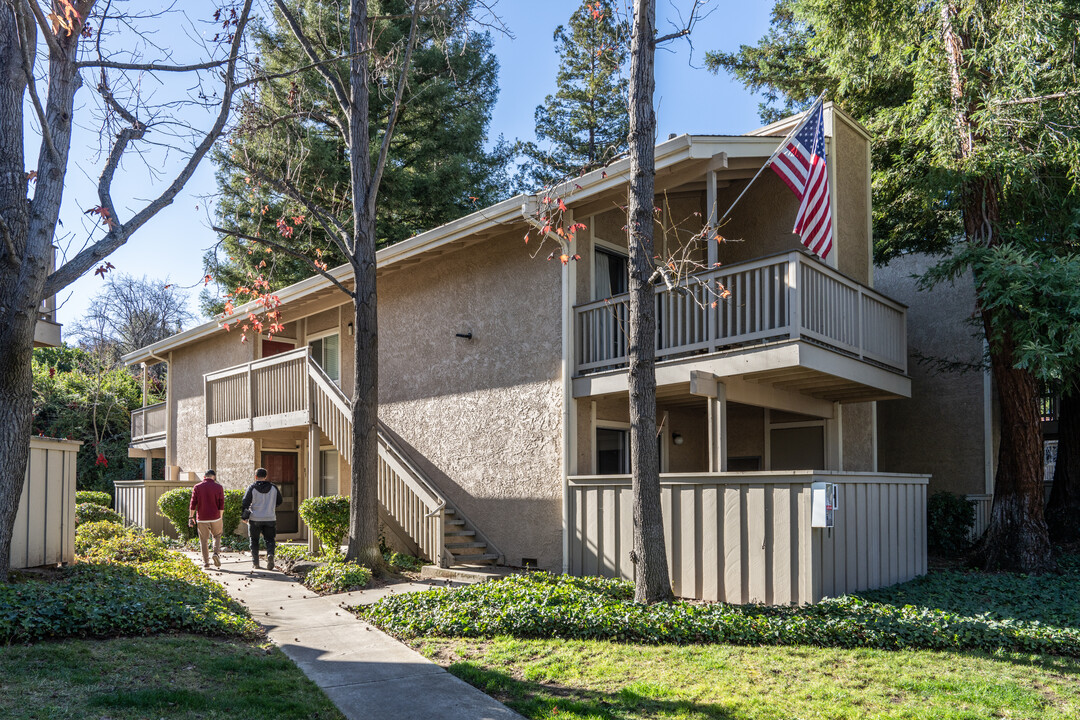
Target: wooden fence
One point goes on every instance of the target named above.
(44, 532)
(789, 296)
(136, 501)
(746, 537)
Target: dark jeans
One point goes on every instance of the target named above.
(268, 530)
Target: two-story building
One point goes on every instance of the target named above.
(503, 387)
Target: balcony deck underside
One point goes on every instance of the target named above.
(817, 376)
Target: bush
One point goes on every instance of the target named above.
(93, 496)
(174, 506)
(92, 512)
(949, 519)
(230, 518)
(113, 599)
(131, 546)
(399, 561)
(540, 605)
(328, 518)
(336, 576)
(90, 534)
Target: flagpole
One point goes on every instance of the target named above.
(781, 146)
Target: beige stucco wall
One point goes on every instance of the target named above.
(858, 436)
(939, 430)
(484, 416)
(235, 457)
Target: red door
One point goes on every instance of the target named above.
(282, 470)
(275, 347)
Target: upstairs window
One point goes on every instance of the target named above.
(326, 351)
(611, 271)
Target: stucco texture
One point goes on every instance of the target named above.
(483, 416)
(939, 430)
(235, 457)
(852, 212)
(858, 436)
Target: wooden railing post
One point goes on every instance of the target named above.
(794, 296)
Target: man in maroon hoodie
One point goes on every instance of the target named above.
(207, 503)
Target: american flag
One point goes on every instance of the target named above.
(801, 164)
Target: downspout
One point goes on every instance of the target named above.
(528, 209)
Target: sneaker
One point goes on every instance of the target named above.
(269, 562)
(217, 561)
(255, 565)
(206, 566)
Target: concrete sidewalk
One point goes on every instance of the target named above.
(366, 673)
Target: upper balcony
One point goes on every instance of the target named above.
(148, 427)
(782, 311)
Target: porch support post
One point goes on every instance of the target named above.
(148, 465)
(707, 385)
(145, 389)
(211, 453)
(712, 247)
(312, 474)
(834, 439)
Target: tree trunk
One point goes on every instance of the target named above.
(651, 580)
(1063, 509)
(364, 520)
(1016, 538)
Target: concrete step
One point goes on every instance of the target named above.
(459, 533)
(454, 521)
(452, 547)
(464, 573)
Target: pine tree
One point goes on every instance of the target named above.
(585, 124)
(971, 103)
(440, 170)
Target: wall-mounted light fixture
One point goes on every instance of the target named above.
(351, 330)
(676, 438)
(467, 336)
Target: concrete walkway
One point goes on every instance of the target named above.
(366, 673)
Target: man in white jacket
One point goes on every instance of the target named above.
(259, 511)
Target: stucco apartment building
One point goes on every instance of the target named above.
(503, 387)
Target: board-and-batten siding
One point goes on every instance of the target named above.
(44, 532)
(136, 501)
(747, 538)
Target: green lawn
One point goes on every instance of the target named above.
(166, 676)
(597, 679)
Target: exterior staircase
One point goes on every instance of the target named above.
(411, 506)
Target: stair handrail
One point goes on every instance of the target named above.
(413, 476)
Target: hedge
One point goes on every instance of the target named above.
(539, 605)
(103, 499)
(328, 518)
(92, 512)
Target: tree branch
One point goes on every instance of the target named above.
(43, 23)
(288, 251)
(686, 29)
(31, 86)
(395, 110)
(150, 67)
(328, 221)
(1038, 98)
(331, 79)
(117, 235)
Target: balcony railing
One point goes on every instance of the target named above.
(148, 423)
(788, 296)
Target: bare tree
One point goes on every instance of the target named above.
(130, 313)
(376, 60)
(50, 47)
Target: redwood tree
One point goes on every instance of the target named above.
(56, 42)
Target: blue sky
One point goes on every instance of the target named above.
(688, 99)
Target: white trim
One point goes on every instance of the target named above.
(609, 425)
(325, 334)
(611, 249)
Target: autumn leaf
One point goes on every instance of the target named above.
(31, 176)
(564, 258)
(103, 212)
(562, 205)
(104, 268)
(67, 18)
(526, 238)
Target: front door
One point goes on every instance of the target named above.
(282, 469)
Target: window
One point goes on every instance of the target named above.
(328, 478)
(326, 351)
(611, 273)
(612, 451)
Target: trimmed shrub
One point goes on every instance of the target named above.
(400, 561)
(337, 576)
(90, 534)
(328, 518)
(93, 496)
(92, 512)
(230, 517)
(949, 519)
(174, 506)
(131, 546)
(540, 605)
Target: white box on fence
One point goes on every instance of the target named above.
(822, 504)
